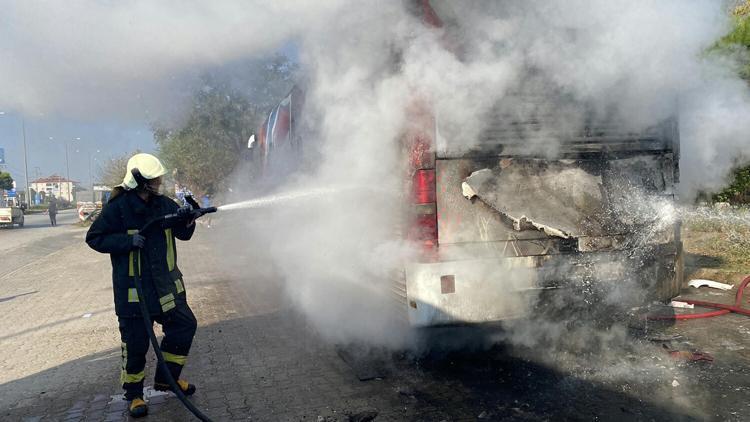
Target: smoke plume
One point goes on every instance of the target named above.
(636, 63)
(136, 58)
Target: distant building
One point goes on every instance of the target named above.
(56, 185)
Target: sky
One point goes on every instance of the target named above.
(87, 141)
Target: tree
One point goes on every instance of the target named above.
(743, 9)
(739, 38)
(112, 171)
(6, 181)
(739, 190)
(205, 150)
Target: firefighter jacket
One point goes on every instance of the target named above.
(112, 233)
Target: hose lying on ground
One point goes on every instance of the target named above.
(722, 309)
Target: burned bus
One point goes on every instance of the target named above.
(533, 209)
(502, 225)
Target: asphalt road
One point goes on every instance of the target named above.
(36, 226)
(22, 246)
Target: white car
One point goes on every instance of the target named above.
(10, 216)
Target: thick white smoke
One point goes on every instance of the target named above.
(138, 58)
(638, 61)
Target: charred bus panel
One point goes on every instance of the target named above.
(511, 223)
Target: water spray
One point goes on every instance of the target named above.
(280, 198)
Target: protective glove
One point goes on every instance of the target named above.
(138, 241)
(188, 214)
(185, 212)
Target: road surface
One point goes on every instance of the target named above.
(22, 246)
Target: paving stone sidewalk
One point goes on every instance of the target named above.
(252, 359)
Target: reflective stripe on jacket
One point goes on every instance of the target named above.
(112, 233)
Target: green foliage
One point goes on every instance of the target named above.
(740, 35)
(739, 190)
(205, 150)
(738, 39)
(6, 181)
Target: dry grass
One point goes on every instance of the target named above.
(717, 243)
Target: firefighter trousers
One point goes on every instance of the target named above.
(179, 327)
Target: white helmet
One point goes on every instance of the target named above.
(147, 165)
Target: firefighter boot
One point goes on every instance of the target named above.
(187, 388)
(138, 408)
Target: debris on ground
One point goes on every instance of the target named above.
(675, 383)
(678, 304)
(367, 364)
(406, 391)
(691, 356)
(688, 356)
(364, 416)
(662, 338)
(709, 283)
(722, 206)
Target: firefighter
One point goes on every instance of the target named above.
(116, 232)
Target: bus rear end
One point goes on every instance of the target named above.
(507, 224)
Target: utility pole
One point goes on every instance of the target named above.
(91, 177)
(67, 163)
(25, 158)
(25, 162)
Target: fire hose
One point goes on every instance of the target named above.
(150, 325)
(721, 309)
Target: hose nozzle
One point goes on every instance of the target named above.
(207, 210)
